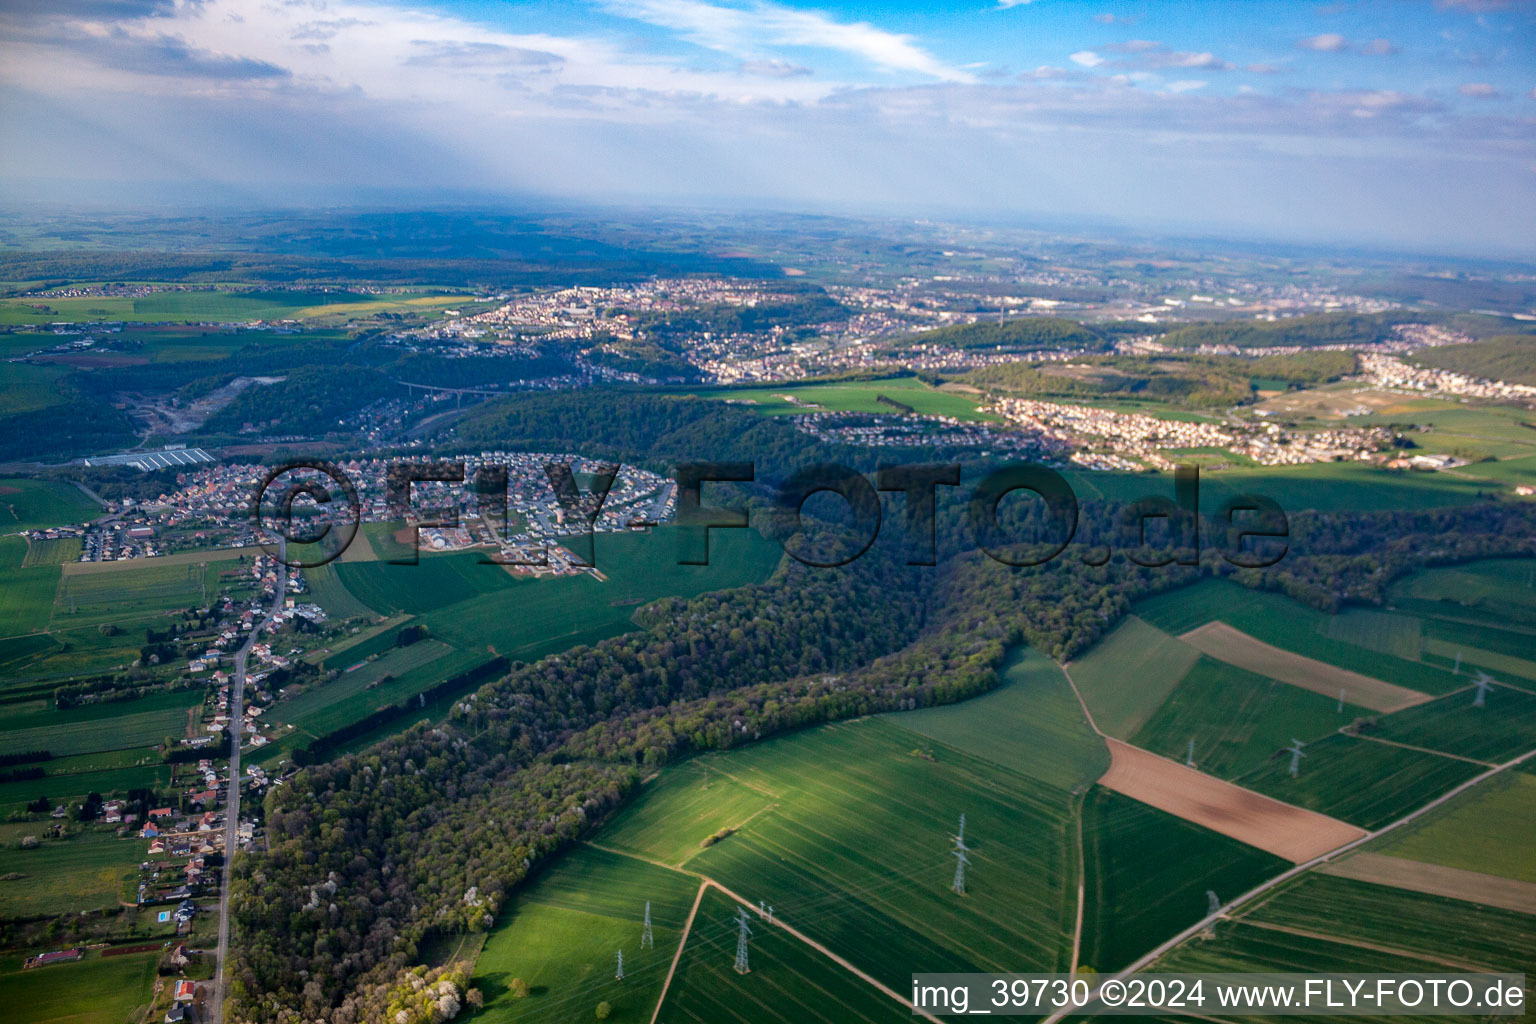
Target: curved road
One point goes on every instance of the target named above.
(215, 1004)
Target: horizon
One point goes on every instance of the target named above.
(1401, 127)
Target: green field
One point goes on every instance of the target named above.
(1365, 783)
(1237, 719)
(854, 396)
(789, 983)
(25, 387)
(38, 725)
(1031, 723)
(327, 590)
(478, 607)
(1327, 486)
(37, 504)
(78, 873)
(97, 990)
(561, 936)
(400, 673)
(1430, 927)
(138, 592)
(1238, 947)
(1398, 635)
(1126, 676)
(26, 595)
(1503, 728)
(1502, 590)
(1491, 828)
(53, 552)
(1148, 873)
(227, 306)
(1291, 625)
(62, 787)
(845, 829)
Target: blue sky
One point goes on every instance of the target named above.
(1381, 123)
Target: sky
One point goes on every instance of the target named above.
(1394, 123)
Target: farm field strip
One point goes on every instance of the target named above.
(1491, 829)
(1287, 831)
(1224, 643)
(1177, 952)
(1126, 676)
(1237, 720)
(1436, 880)
(1030, 723)
(1331, 773)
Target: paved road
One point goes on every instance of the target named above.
(215, 1004)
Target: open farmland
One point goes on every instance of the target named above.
(1365, 783)
(81, 872)
(393, 677)
(1148, 874)
(1434, 928)
(359, 680)
(1289, 625)
(1491, 828)
(146, 590)
(53, 552)
(35, 504)
(114, 726)
(845, 830)
(1126, 676)
(328, 591)
(1031, 723)
(1234, 647)
(1237, 719)
(561, 935)
(96, 990)
(856, 396)
(1490, 589)
(26, 595)
(1436, 880)
(219, 305)
(1504, 727)
(1398, 635)
(64, 787)
(790, 982)
(1239, 946)
(1249, 817)
(526, 619)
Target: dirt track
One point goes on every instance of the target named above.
(1235, 647)
(1291, 832)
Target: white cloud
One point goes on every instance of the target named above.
(1086, 58)
(1185, 85)
(773, 68)
(1379, 48)
(744, 31)
(1328, 42)
(1478, 90)
(1006, 4)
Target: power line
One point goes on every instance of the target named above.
(961, 860)
(743, 933)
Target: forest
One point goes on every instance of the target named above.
(1506, 357)
(1034, 332)
(1188, 381)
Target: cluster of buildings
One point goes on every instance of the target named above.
(1387, 371)
(880, 431)
(1137, 440)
